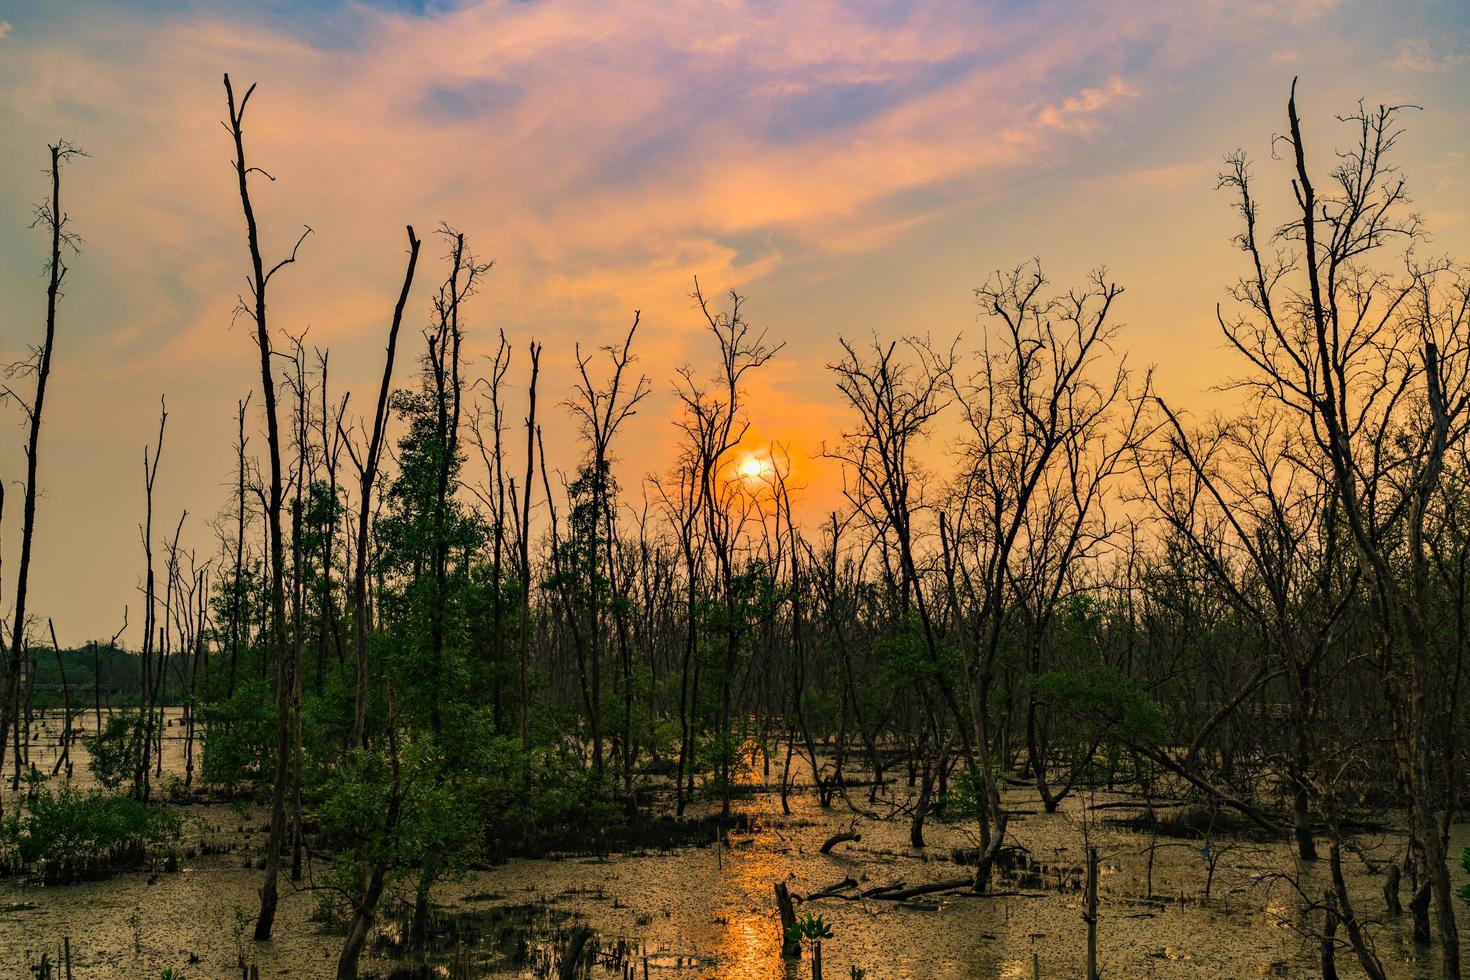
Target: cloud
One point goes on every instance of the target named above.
(1424, 56)
(602, 151)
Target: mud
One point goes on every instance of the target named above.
(698, 910)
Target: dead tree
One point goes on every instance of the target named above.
(333, 438)
(443, 363)
(53, 218)
(681, 501)
(523, 632)
(144, 730)
(237, 588)
(1376, 365)
(600, 411)
(255, 307)
(1040, 401)
(714, 424)
(493, 497)
(897, 389)
(63, 754)
(367, 470)
(1266, 529)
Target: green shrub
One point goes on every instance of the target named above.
(66, 835)
(436, 830)
(240, 736)
(116, 751)
(1117, 706)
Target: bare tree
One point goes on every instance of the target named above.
(53, 217)
(255, 307)
(367, 469)
(1376, 364)
(714, 424)
(600, 412)
(523, 632)
(1043, 399)
(897, 390)
(443, 361)
(146, 668)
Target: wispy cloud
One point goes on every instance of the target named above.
(602, 152)
(1424, 55)
(605, 151)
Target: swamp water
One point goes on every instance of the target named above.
(708, 911)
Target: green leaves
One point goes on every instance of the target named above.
(116, 751)
(66, 834)
(240, 735)
(904, 654)
(1116, 704)
(809, 928)
(1465, 863)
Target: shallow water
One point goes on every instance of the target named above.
(697, 912)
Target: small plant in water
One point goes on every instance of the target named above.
(241, 921)
(810, 930)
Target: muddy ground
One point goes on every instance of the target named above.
(700, 911)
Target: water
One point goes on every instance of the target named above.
(707, 911)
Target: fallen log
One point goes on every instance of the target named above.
(949, 884)
(831, 890)
(884, 889)
(1140, 803)
(836, 839)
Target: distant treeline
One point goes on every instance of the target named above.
(79, 671)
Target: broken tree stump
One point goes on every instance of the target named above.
(571, 959)
(790, 944)
(1391, 892)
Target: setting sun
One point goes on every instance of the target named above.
(751, 468)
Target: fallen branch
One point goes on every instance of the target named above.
(1253, 814)
(836, 839)
(882, 890)
(831, 890)
(949, 884)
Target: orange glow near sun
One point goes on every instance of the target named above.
(751, 468)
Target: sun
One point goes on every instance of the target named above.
(751, 468)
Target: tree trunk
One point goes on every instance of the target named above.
(790, 945)
(9, 709)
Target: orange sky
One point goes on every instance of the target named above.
(850, 168)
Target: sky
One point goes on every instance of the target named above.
(852, 169)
